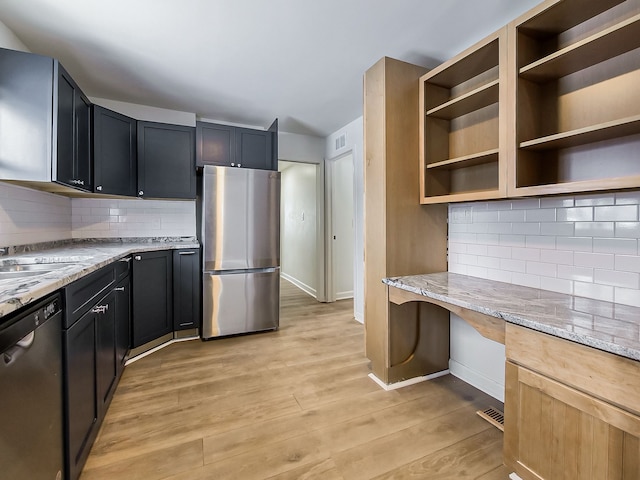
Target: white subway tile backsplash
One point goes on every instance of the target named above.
(627, 296)
(627, 229)
(593, 290)
(618, 213)
(578, 214)
(595, 229)
(540, 241)
(531, 254)
(627, 263)
(591, 199)
(594, 260)
(617, 279)
(621, 246)
(559, 257)
(586, 245)
(565, 229)
(541, 215)
(511, 215)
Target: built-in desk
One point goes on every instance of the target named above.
(572, 399)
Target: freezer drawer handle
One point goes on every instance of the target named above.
(186, 253)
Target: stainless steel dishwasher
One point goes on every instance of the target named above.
(31, 392)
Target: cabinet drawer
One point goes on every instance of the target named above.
(122, 267)
(83, 293)
(602, 374)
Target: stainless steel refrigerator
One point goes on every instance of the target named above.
(239, 216)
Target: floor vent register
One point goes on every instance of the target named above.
(493, 416)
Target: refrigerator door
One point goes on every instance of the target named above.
(240, 218)
(239, 302)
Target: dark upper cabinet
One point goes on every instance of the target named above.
(237, 147)
(186, 289)
(114, 152)
(45, 132)
(152, 296)
(253, 148)
(73, 165)
(215, 144)
(166, 161)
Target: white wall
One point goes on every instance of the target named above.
(298, 226)
(354, 143)
(300, 148)
(147, 113)
(585, 245)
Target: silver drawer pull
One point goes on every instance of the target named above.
(186, 253)
(100, 309)
(119, 289)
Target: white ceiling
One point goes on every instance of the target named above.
(249, 61)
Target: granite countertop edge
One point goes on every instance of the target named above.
(517, 319)
(84, 257)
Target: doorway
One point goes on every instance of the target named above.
(342, 236)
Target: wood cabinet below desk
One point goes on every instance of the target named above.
(571, 411)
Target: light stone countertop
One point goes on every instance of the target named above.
(607, 326)
(80, 259)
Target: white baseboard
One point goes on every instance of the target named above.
(476, 379)
(344, 295)
(301, 285)
(359, 316)
(159, 347)
(406, 383)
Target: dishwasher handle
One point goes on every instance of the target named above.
(12, 354)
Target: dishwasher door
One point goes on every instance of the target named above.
(31, 393)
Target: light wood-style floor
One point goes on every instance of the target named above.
(291, 404)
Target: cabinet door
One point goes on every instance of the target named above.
(166, 161)
(215, 144)
(253, 149)
(123, 321)
(80, 391)
(114, 152)
(152, 296)
(73, 160)
(106, 367)
(273, 131)
(186, 289)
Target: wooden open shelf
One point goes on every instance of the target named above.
(463, 125)
(476, 99)
(575, 98)
(611, 42)
(468, 160)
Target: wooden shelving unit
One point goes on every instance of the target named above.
(463, 125)
(575, 97)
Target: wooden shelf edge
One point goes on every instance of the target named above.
(561, 16)
(614, 183)
(476, 99)
(611, 42)
(487, 156)
(464, 197)
(583, 136)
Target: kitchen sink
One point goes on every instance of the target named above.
(32, 268)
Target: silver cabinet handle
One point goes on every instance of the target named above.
(239, 164)
(77, 182)
(119, 289)
(186, 253)
(99, 188)
(233, 164)
(140, 193)
(137, 257)
(100, 309)
(128, 259)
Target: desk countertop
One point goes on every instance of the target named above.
(611, 327)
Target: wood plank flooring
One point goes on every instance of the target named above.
(292, 404)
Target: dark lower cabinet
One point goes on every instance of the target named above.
(152, 277)
(106, 365)
(166, 161)
(122, 298)
(81, 405)
(186, 289)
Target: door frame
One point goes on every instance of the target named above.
(328, 238)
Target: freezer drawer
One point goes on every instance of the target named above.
(240, 302)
